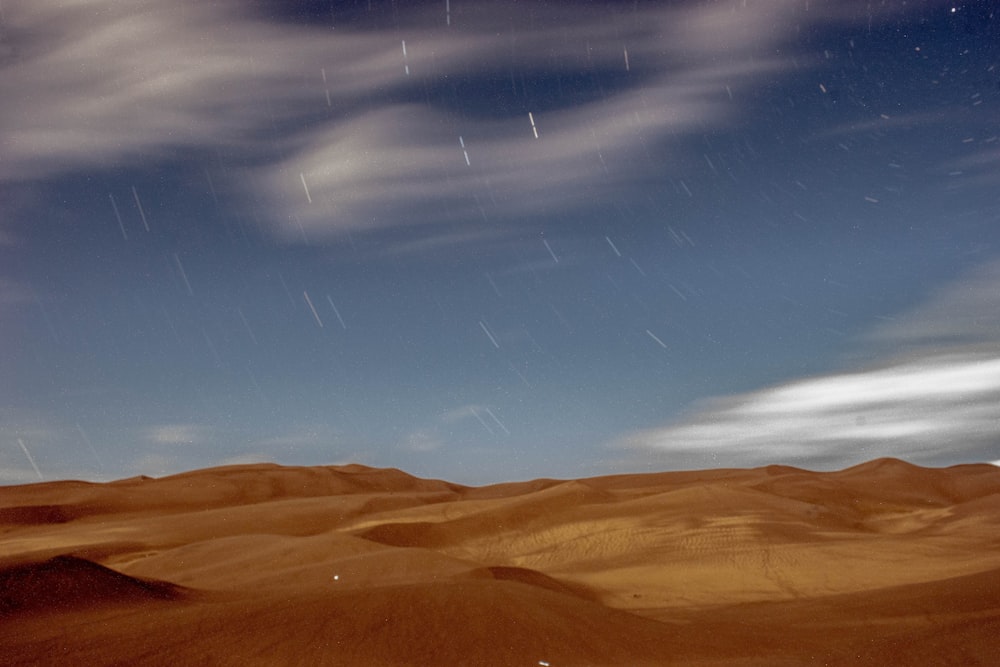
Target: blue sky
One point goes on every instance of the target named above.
(486, 241)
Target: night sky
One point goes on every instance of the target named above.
(486, 241)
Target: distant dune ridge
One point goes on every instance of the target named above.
(879, 564)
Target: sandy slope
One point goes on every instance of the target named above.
(883, 563)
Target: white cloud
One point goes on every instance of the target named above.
(403, 164)
(92, 83)
(923, 409)
(937, 402)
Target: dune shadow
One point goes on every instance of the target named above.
(66, 583)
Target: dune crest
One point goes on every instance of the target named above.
(264, 564)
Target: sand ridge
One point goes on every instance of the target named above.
(264, 564)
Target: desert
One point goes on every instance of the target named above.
(884, 563)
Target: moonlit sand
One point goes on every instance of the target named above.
(883, 563)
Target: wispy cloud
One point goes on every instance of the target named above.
(32, 426)
(337, 123)
(981, 167)
(304, 436)
(177, 434)
(936, 399)
(37, 442)
(98, 82)
(397, 163)
(483, 414)
(244, 459)
(464, 423)
(421, 441)
(13, 293)
(10, 474)
(922, 410)
(963, 313)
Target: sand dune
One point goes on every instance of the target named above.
(68, 582)
(882, 563)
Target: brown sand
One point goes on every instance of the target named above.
(885, 563)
